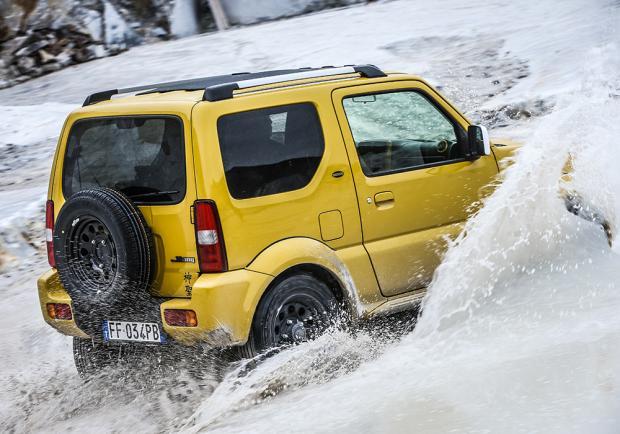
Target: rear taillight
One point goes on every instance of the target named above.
(180, 317)
(49, 232)
(209, 238)
(59, 311)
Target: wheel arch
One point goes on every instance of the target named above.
(318, 272)
(304, 255)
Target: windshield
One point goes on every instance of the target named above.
(140, 156)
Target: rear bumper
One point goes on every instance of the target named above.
(51, 291)
(224, 304)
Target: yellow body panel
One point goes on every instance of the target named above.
(504, 151)
(351, 266)
(224, 304)
(378, 237)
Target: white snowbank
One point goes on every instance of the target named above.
(117, 31)
(183, 18)
(27, 125)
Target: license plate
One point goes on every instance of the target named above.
(132, 331)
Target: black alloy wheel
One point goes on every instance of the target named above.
(298, 308)
(92, 252)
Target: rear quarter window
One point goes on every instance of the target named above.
(142, 157)
(271, 150)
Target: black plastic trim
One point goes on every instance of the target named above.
(220, 92)
(99, 97)
(220, 87)
(369, 71)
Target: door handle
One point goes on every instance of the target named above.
(384, 198)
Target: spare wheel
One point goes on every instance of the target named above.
(104, 255)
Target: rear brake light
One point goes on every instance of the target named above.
(209, 238)
(180, 317)
(59, 311)
(49, 232)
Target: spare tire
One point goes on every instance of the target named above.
(104, 255)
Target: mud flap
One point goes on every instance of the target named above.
(575, 204)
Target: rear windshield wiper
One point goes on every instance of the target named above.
(153, 194)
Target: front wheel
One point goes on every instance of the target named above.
(296, 309)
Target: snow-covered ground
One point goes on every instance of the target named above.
(520, 329)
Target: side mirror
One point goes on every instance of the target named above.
(478, 140)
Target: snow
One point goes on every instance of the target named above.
(183, 18)
(251, 11)
(520, 327)
(117, 31)
(18, 123)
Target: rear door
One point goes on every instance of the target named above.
(149, 159)
(414, 187)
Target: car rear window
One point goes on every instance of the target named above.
(142, 157)
(271, 150)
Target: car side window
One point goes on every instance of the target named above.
(271, 150)
(400, 131)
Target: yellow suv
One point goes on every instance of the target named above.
(250, 209)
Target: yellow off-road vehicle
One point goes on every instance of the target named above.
(249, 209)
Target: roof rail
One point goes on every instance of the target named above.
(222, 87)
(107, 94)
(222, 91)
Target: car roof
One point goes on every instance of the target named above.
(220, 87)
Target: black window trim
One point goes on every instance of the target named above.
(219, 145)
(148, 116)
(456, 125)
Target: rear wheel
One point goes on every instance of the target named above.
(93, 358)
(296, 309)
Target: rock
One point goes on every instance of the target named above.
(35, 72)
(25, 64)
(22, 78)
(59, 33)
(45, 57)
(14, 44)
(64, 58)
(51, 67)
(93, 22)
(159, 32)
(29, 49)
(97, 51)
(117, 31)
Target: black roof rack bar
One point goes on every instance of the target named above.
(107, 94)
(223, 91)
(227, 84)
(99, 96)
